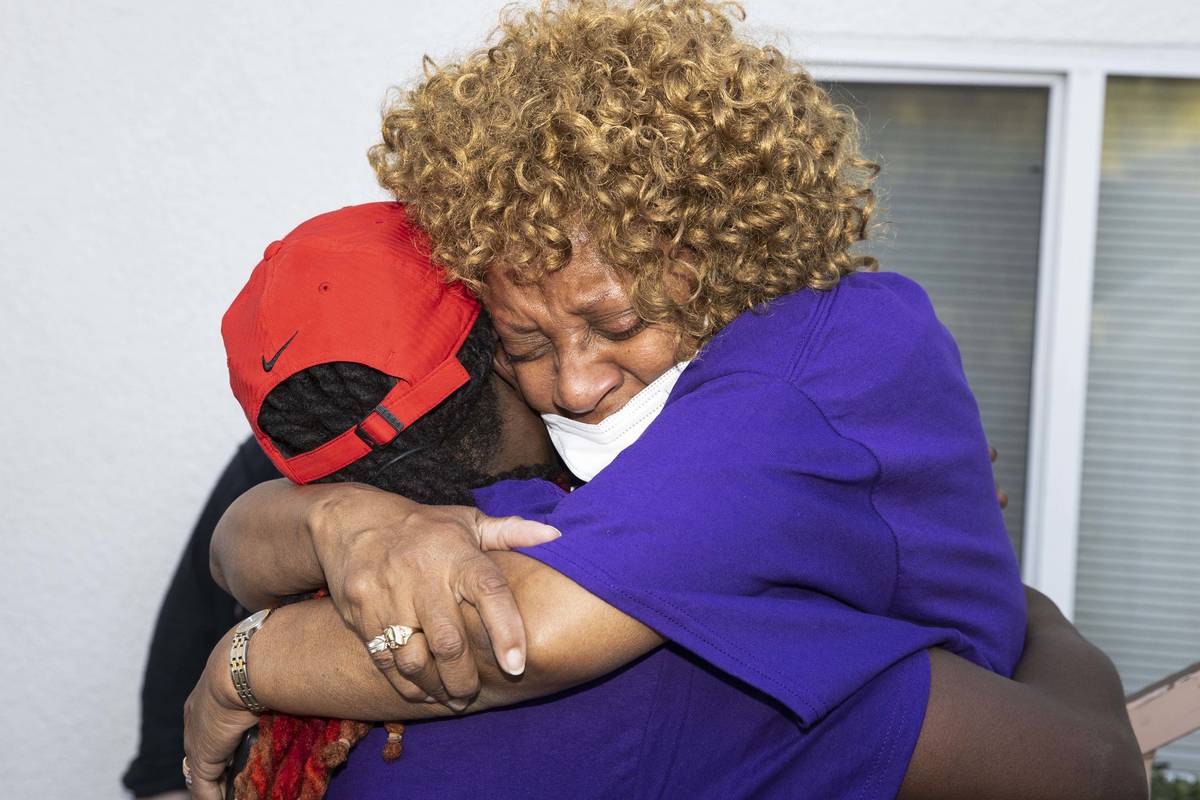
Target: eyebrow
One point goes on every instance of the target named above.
(519, 329)
(591, 308)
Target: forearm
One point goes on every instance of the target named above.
(306, 661)
(262, 548)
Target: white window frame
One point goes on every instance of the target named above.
(1076, 78)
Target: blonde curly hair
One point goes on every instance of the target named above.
(653, 128)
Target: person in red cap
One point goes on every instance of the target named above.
(354, 360)
(345, 336)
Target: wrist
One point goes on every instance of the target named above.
(239, 660)
(343, 510)
(222, 682)
(324, 521)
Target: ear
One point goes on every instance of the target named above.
(679, 278)
(504, 369)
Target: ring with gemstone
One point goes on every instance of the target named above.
(187, 773)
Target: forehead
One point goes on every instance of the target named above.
(585, 286)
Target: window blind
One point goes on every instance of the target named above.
(1138, 582)
(961, 201)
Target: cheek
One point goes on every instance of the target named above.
(648, 356)
(536, 382)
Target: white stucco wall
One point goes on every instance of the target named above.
(149, 151)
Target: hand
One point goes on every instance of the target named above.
(388, 560)
(214, 721)
(1001, 495)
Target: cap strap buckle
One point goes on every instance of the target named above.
(379, 428)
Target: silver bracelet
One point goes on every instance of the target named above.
(237, 659)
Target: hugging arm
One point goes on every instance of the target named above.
(573, 637)
(1057, 731)
(307, 661)
(385, 560)
(642, 549)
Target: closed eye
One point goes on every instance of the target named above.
(523, 352)
(627, 333)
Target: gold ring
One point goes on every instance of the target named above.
(187, 773)
(396, 636)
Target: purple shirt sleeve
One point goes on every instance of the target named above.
(764, 558)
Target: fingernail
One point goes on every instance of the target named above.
(514, 662)
(430, 699)
(457, 705)
(557, 532)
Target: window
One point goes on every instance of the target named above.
(1137, 590)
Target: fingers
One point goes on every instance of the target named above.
(446, 639)
(409, 675)
(484, 586)
(414, 662)
(369, 624)
(1001, 495)
(204, 768)
(386, 663)
(505, 533)
(205, 788)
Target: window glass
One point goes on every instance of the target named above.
(1138, 582)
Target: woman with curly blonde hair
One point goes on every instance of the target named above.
(680, 149)
(785, 573)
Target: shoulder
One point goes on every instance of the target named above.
(879, 325)
(529, 498)
(867, 293)
(866, 311)
(880, 303)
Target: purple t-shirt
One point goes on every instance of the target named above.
(666, 726)
(812, 509)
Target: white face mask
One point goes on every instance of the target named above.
(586, 449)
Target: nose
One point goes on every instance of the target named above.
(583, 381)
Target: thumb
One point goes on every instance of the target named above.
(505, 533)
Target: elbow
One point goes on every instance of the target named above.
(1120, 772)
(1129, 778)
(215, 565)
(1093, 756)
(218, 575)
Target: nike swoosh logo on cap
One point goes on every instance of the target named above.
(270, 365)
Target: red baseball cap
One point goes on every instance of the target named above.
(349, 285)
